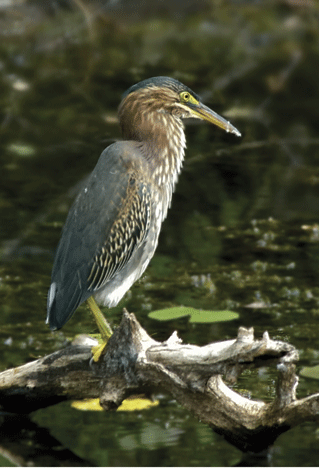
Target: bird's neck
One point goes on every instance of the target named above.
(161, 139)
(165, 151)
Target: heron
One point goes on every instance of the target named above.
(112, 229)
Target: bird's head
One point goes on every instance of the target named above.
(146, 105)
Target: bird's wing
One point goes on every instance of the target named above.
(107, 223)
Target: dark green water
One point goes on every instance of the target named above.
(242, 232)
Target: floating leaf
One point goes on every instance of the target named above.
(201, 316)
(128, 405)
(196, 315)
(87, 404)
(310, 372)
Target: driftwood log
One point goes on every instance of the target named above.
(194, 376)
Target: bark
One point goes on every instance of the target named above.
(134, 362)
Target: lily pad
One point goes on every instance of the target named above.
(196, 315)
(128, 405)
(310, 372)
(87, 404)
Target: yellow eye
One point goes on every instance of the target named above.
(185, 96)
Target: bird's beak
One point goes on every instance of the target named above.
(203, 112)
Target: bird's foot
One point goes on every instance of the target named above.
(98, 350)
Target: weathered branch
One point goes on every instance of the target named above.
(192, 374)
(63, 375)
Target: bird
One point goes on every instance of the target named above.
(112, 229)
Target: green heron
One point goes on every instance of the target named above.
(112, 229)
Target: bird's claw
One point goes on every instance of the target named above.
(98, 350)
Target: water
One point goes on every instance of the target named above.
(242, 232)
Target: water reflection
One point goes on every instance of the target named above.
(19, 438)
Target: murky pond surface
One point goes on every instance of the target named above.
(243, 230)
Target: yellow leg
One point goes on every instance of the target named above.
(103, 325)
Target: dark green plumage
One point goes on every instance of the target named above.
(106, 225)
(167, 82)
